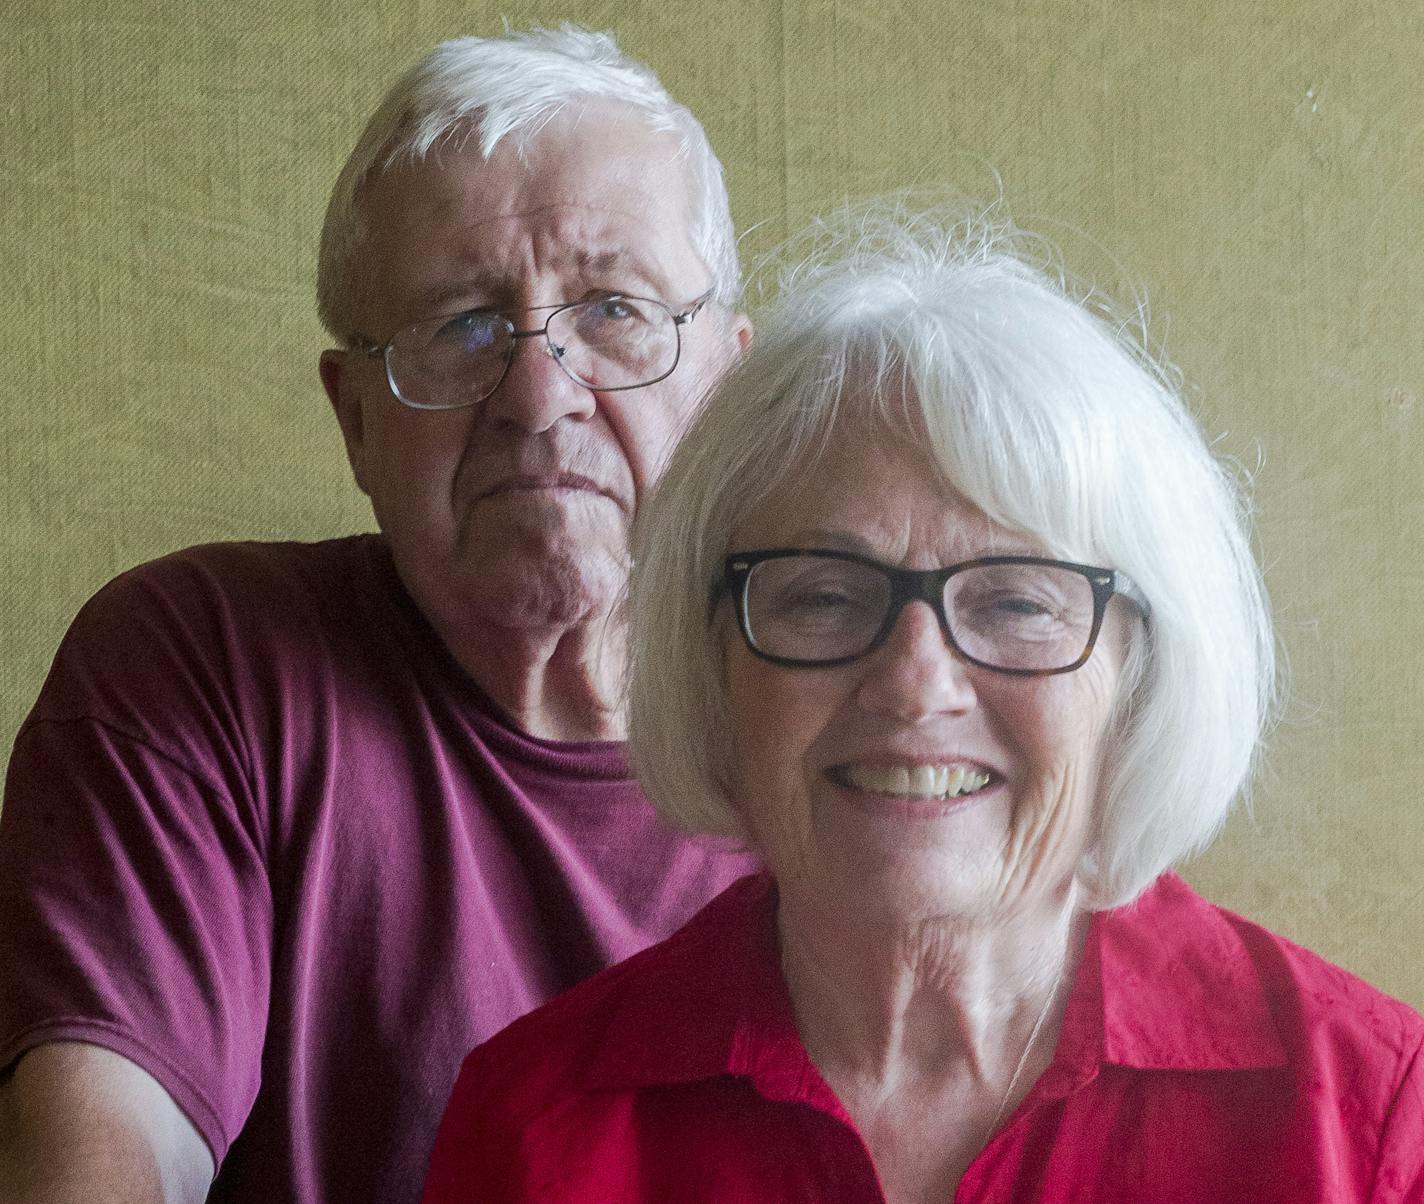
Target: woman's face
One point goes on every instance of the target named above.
(835, 770)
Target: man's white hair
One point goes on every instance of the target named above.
(490, 89)
(1049, 417)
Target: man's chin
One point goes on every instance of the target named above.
(553, 583)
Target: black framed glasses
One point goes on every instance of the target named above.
(604, 343)
(1024, 615)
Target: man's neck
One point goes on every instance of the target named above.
(562, 685)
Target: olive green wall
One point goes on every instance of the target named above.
(1258, 168)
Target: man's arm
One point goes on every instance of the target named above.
(135, 910)
(79, 1124)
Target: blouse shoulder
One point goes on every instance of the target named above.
(540, 1059)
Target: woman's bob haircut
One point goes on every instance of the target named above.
(1048, 416)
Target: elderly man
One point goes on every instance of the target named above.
(291, 827)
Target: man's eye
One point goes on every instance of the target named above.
(470, 331)
(615, 311)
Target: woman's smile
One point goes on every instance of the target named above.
(928, 782)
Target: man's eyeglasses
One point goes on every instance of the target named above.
(1024, 615)
(606, 343)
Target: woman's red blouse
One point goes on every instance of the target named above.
(1201, 1058)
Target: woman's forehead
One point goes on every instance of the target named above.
(881, 495)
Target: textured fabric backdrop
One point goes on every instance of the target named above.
(1256, 168)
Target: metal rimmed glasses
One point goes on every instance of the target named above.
(605, 343)
(1024, 615)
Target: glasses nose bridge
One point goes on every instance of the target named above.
(534, 332)
(917, 585)
(549, 347)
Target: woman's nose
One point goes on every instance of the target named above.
(915, 674)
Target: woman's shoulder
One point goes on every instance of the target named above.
(540, 1058)
(1246, 975)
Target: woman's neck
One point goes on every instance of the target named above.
(929, 1033)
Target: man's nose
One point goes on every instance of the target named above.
(536, 392)
(915, 674)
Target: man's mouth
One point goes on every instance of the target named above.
(912, 781)
(542, 483)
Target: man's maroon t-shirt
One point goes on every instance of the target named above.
(264, 837)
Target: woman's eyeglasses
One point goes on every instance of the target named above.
(1024, 615)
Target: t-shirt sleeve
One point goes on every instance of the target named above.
(135, 910)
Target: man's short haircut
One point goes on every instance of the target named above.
(490, 89)
(1041, 410)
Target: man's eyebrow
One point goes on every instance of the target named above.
(497, 292)
(449, 297)
(603, 261)
(621, 260)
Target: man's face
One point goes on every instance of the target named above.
(515, 512)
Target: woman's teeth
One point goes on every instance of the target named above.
(916, 781)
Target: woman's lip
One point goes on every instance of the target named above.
(912, 807)
(934, 781)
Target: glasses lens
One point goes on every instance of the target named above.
(1021, 616)
(450, 361)
(814, 608)
(615, 342)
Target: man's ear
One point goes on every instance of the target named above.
(337, 378)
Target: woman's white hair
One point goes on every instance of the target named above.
(491, 89)
(1047, 415)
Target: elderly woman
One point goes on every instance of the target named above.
(945, 607)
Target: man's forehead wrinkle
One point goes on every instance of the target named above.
(476, 281)
(581, 243)
(560, 210)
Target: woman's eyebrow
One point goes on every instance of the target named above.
(849, 541)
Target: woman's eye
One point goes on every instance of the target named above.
(810, 600)
(1022, 606)
(1005, 609)
(824, 604)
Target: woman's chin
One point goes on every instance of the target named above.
(893, 881)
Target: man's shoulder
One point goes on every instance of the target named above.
(248, 568)
(218, 620)
(220, 593)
